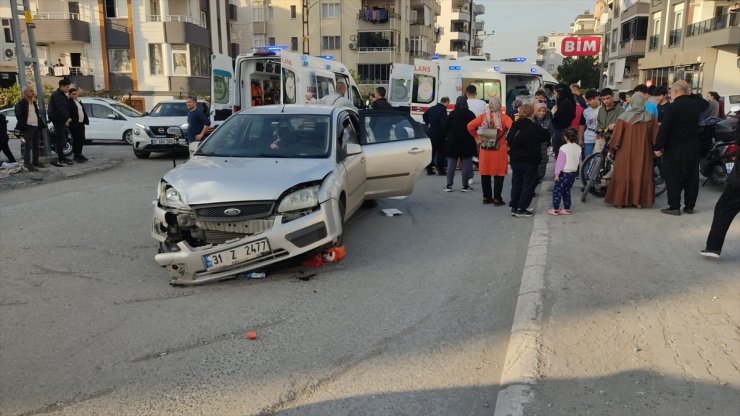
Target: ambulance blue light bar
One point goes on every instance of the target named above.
(520, 59)
(455, 67)
(328, 57)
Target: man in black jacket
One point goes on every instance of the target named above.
(381, 103)
(30, 125)
(59, 115)
(678, 139)
(525, 140)
(726, 209)
(435, 119)
(77, 127)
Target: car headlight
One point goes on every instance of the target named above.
(170, 197)
(301, 199)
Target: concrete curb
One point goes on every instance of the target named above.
(58, 174)
(522, 356)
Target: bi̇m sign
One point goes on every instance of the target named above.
(581, 46)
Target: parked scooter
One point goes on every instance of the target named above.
(718, 149)
(68, 150)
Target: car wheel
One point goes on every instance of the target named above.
(141, 154)
(128, 136)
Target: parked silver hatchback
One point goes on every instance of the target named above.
(275, 182)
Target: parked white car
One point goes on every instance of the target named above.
(274, 182)
(150, 132)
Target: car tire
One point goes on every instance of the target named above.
(141, 154)
(128, 136)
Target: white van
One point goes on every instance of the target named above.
(273, 76)
(421, 85)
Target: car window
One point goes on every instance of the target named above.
(383, 128)
(270, 136)
(126, 110)
(347, 133)
(169, 110)
(357, 98)
(100, 111)
(8, 112)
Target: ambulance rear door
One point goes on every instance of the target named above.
(400, 85)
(222, 87)
(425, 86)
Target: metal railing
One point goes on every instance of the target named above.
(710, 25)
(674, 37)
(62, 16)
(653, 42)
(175, 18)
(372, 49)
(362, 15)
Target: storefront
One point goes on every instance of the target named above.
(693, 74)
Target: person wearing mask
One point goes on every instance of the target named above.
(460, 144)
(726, 209)
(58, 112)
(30, 125)
(381, 103)
(4, 139)
(575, 89)
(475, 104)
(565, 111)
(493, 162)
(590, 116)
(543, 117)
(631, 147)
(609, 113)
(77, 126)
(678, 143)
(198, 121)
(435, 119)
(338, 98)
(524, 139)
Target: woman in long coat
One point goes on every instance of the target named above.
(492, 162)
(543, 117)
(632, 147)
(460, 144)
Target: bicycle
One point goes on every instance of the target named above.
(596, 167)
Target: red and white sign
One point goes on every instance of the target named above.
(581, 46)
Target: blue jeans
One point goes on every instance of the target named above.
(588, 148)
(467, 170)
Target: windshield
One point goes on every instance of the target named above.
(169, 110)
(270, 136)
(126, 110)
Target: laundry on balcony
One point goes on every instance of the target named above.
(374, 14)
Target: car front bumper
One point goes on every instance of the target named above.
(187, 266)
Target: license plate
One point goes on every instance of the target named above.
(237, 254)
(729, 166)
(163, 141)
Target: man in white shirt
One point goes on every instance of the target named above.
(77, 126)
(337, 98)
(590, 115)
(476, 105)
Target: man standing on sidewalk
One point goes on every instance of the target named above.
(198, 121)
(726, 209)
(77, 126)
(59, 116)
(678, 138)
(29, 123)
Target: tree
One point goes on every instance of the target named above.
(583, 68)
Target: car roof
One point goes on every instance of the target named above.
(311, 109)
(98, 99)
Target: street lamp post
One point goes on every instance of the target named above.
(470, 30)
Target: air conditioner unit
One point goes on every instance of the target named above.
(352, 45)
(9, 53)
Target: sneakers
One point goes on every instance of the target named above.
(523, 213)
(57, 164)
(498, 202)
(66, 161)
(467, 189)
(487, 201)
(447, 188)
(710, 253)
(670, 211)
(688, 210)
(513, 212)
(80, 159)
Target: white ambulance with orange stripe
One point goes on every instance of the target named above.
(421, 85)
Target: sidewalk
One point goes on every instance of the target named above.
(629, 319)
(52, 173)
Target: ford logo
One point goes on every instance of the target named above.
(232, 211)
(162, 130)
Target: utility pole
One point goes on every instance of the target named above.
(306, 45)
(470, 30)
(33, 60)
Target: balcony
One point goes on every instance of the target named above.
(458, 15)
(631, 47)
(377, 19)
(653, 42)
(478, 9)
(61, 27)
(722, 30)
(432, 4)
(459, 36)
(176, 18)
(674, 37)
(478, 26)
(184, 29)
(418, 28)
(635, 9)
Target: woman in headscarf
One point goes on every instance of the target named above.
(460, 144)
(565, 111)
(543, 117)
(631, 146)
(492, 162)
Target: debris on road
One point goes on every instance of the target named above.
(391, 212)
(251, 335)
(255, 275)
(331, 255)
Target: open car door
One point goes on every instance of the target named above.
(222, 87)
(400, 83)
(396, 149)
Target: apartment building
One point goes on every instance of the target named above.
(694, 40)
(457, 37)
(549, 47)
(625, 26)
(148, 50)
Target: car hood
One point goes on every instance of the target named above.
(161, 121)
(210, 180)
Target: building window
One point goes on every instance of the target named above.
(180, 60)
(373, 73)
(119, 60)
(259, 41)
(200, 59)
(271, 41)
(258, 12)
(330, 11)
(331, 42)
(294, 43)
(116, 8)
(293, 12)
(233, 13)
(7, 31)
(270, 12)
(154, 7)
(155, 59)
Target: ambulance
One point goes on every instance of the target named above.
(421, 85)
(272, 75)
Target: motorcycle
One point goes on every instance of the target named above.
(718, 149)
(68, 150)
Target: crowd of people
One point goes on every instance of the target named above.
(633, 129)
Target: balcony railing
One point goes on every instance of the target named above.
(372, 49)
(377, 15)
(653, 43)
(674, 37)
(62, 16)
(175, 18)
(710, 25)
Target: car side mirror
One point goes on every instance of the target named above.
(353, 149)
(112, 116)
(174, 132)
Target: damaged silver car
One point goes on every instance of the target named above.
(275, 182)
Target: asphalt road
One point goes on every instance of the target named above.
(415, 320)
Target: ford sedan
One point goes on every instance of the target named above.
(275, 182)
